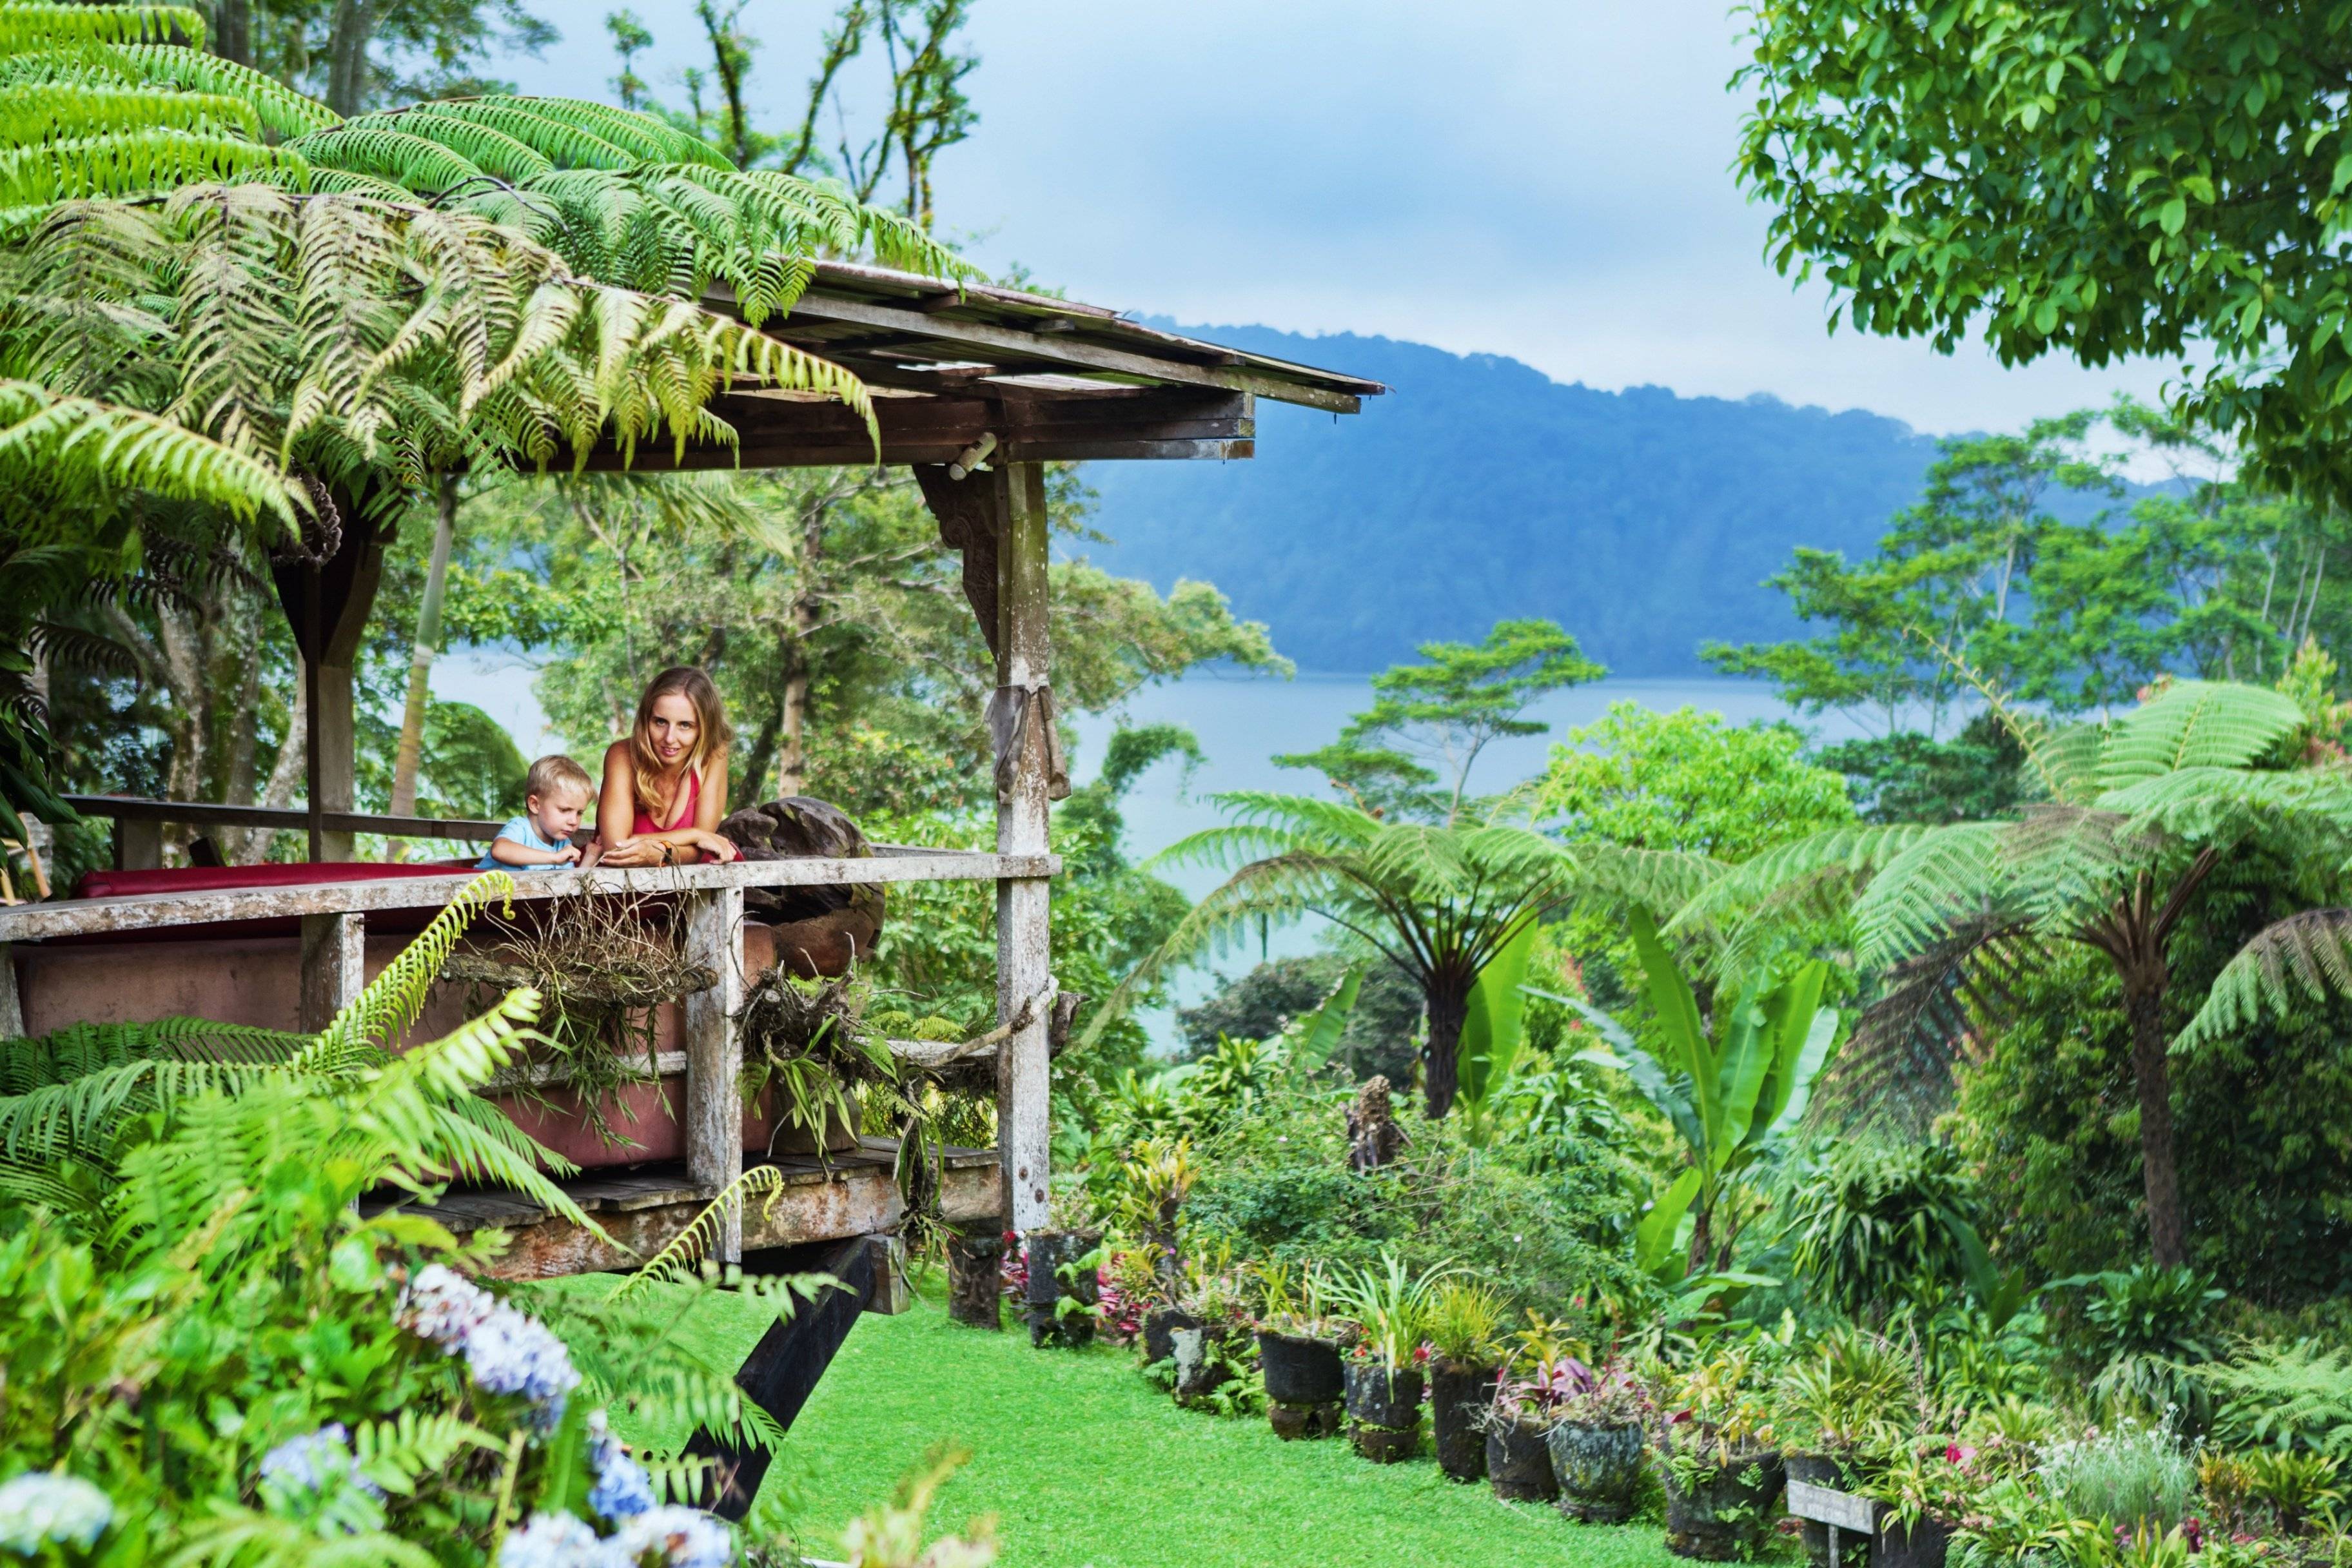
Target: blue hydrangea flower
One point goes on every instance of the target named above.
(510, 1353)
(623, 1490)
(312, 1463)
(41, 1508)
(675, 1537)
(506, 1352)
(556, 1540)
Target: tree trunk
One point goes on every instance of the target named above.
(347, 56)
(1448, 1006)
(2152, 1074)
(409, 753)
(233, 31)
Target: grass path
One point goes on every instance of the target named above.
(1084, 1465)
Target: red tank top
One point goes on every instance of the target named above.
(645, 824)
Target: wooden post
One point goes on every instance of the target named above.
(12, 1006)
(333, 781)
(714, 1054)
(1024, 975)
(326, 605)
(334, 966)
(138, 844)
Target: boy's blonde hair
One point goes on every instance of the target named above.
(550, 775)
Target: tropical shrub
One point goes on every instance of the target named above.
(1877, 1224)
(2291, 1395)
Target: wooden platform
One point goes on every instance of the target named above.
(644, 1207)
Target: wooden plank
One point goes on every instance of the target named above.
(939, 335)
(714, 1054)
(210, 814)
(783, 1368)
(1844, 1510)
(148, 911)
(888, 1295)
(1024, 911)
(334, 966)
(539, 1075)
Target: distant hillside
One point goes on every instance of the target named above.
(1480, 489)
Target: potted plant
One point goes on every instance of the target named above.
(1596, 1439)
(1299, 1345)
(1723, 1469)
(1064, 1286)
(1834, 1408)
(1517, 1428)
(1384, 1376)
(1464, 1357)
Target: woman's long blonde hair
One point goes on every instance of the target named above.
(712, 735)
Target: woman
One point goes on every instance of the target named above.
(666, 787)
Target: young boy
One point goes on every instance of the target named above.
(555, 795)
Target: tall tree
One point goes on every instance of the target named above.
(1411, 752)
(2137, 814)
(2081, 178)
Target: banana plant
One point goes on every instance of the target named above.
(1494, 1026)
(1727, 1093)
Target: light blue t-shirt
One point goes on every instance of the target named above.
(522, 830)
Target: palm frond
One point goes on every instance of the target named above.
(2305, 958)
(2197, 724)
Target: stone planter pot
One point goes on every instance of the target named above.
(1300, 1370)
(1599, 1467)
(1051, 1251)
(1159, 1326)
(1381, 1397)
(1724, 1515)
(1922, 1545)
(1519, 1462)
(1199, 1373)
(1457, 1396)
(976, 1280)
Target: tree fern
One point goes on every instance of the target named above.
(2197, 724)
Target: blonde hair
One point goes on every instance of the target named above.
(712, 735)
(550, 775)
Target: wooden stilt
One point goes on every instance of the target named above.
(1022, 716)
(714, 1054)
(334, 966)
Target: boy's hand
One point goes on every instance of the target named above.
(570, 855)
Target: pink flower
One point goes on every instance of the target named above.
(1955, 1453)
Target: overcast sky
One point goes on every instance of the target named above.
(1547, 179)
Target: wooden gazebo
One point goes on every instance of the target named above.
(975, 388)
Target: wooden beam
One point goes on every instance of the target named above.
(714, 1056)
(924, 331)
(334, 966)
(152, 813)
(1024, 912)
(1170, 423)
(138, 844)
(150, 911)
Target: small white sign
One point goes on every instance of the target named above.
(1844, 1510)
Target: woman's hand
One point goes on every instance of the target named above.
(625, 852)
(720, 850)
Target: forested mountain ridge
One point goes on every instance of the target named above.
(1478, 488)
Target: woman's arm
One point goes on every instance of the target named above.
(616, 801)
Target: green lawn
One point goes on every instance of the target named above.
(1083, 1462)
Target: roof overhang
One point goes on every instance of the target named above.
(1053, 380)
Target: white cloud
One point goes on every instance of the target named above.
(1548, 181)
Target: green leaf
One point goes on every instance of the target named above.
(1654, 1238)
(2173, 216)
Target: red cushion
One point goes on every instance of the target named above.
(272, 874)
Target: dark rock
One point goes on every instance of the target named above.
(818, 930)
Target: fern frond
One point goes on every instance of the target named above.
(133, 162)
(25, 26)
(2304, 959)
(37, 114)
(1941, 876)
(376, 146)
(79, 441)
(1897, 1067)
(2197, 724)
(1845, 856)
(395, 1451)
(485, 147)
(392, 1001)
(280, 109)
(689, 1246)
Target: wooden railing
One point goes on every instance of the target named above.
(333, 924)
